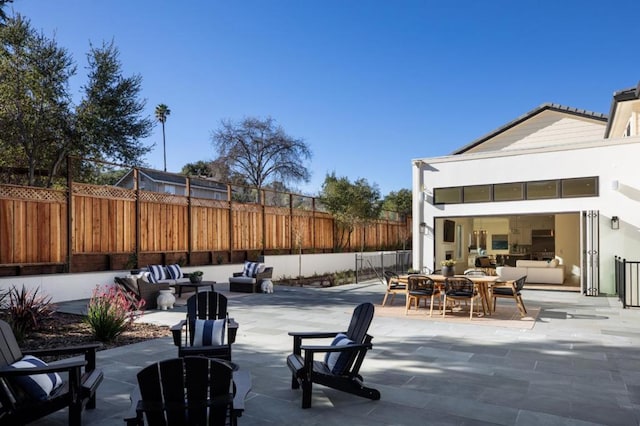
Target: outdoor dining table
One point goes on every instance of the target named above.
(482, 283)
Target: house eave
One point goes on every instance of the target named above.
(544, 107)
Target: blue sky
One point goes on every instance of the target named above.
(369, 85)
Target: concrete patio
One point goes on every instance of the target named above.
(577, 364)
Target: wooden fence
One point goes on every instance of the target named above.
(105, 227)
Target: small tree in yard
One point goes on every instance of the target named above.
(351, 204)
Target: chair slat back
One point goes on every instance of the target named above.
(417, 282)
(360, 322)
(459, 286)
(9, 349)
(205, 305)
(186, 391)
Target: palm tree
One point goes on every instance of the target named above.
(162, 112)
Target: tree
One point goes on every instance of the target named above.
(351, 204)
(162, 112)
(402, 203)
(37, 126)
(110, 116)
(261, 151)
(3, 14)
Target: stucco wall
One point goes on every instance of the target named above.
(610, 160)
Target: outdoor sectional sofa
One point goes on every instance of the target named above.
(142, 284)
(537, 271)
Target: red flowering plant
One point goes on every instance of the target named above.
(110, 312)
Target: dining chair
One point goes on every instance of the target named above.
(511, 290)
(457, 289)
(394, 286)
(421, 287)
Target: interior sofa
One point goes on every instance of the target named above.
(251, 277)
(146, 287)
(537, 271)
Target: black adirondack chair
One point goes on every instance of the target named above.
(207, 305)
(192, 391)
(305, 370)
(77, 392)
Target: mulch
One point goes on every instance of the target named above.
(63, 330)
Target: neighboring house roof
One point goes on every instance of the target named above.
(541, 109)
(624, 95)
(175, 179)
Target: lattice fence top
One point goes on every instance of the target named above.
(207, 202)
(103, 191)
(280, 211)
(157, 197)
(29, 193)
(246, 207)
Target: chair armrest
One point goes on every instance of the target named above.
(266, 274)
(133, 417)
(237, 274)
(232, 330)
(344, 348)
(314, 334)
(8, 371)
(299, 335)
(242, 384)
(176, 332)
(90, 347)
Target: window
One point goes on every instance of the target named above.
(542, 190)
(581, 187)
(477, 194)
(508, 192)
(447, 195)
(515, 191)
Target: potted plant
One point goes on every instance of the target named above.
(196, 276)
(448, 267)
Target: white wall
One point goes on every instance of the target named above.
(63, 287)
(610, 160)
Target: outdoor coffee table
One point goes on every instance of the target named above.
(195, 286)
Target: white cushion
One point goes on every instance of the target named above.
(209, 332)
(337, 361)
(38, 386)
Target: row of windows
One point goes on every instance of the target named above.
(516, 191)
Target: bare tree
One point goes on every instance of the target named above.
(261, 151)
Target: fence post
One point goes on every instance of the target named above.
(189, 222)
(69, 214)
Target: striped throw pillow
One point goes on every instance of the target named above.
(337, 361)
(209, 332)
(175, 273)
(38, 386)
(156, 273)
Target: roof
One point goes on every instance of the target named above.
(544, 107)
(198, 182)
(623, 95)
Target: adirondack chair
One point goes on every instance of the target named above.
(189, 391)
(19, 404)
(340, 369)
(206, 305)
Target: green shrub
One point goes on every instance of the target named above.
(110, 312)
(25, 309)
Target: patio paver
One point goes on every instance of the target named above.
(577, 366)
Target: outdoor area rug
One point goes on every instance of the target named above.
(505, 316)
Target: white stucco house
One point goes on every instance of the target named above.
(557, 184)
